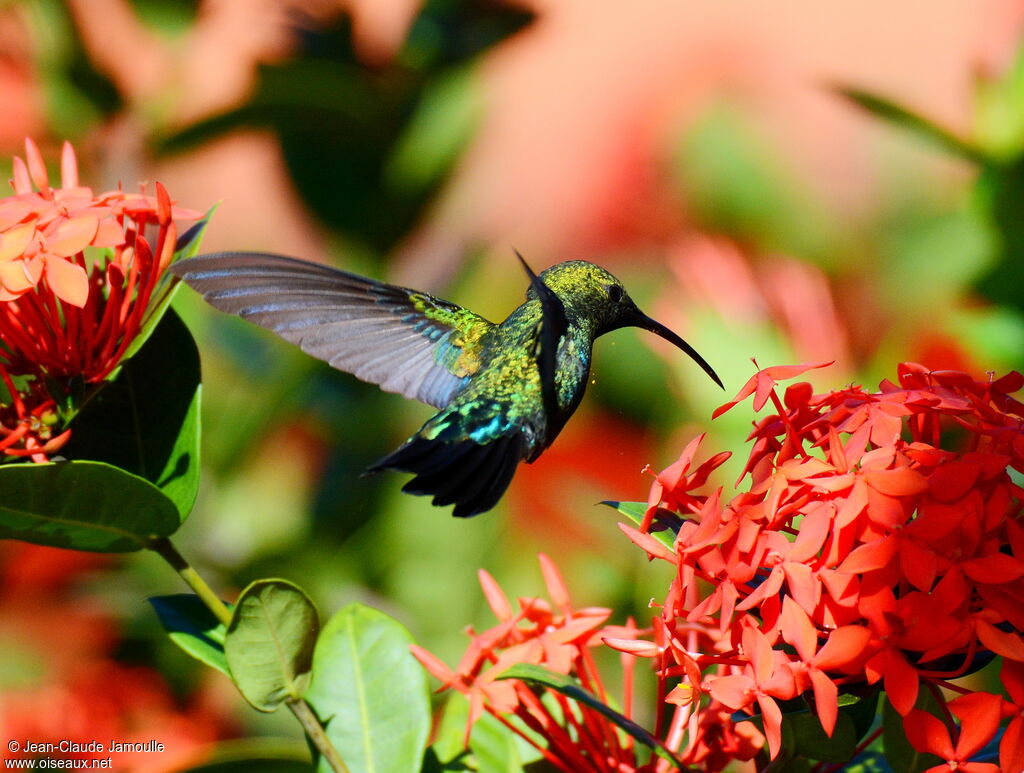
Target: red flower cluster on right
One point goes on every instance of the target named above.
(879, 540)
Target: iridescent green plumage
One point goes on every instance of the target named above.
(504, 390)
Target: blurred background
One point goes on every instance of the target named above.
(788, 181)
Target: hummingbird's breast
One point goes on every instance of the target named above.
(505, 395)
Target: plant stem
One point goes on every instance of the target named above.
(315, 732)
(310, 724)
(170, 554)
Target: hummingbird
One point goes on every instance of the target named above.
(503, 390)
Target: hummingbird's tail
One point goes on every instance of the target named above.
(470, 475)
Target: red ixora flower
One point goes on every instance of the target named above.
(79, 275)
(878, 541)
(573, 737)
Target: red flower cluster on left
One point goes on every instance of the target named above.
(79, 275)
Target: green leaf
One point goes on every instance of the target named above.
(269, 643)
(448, 113)
(146, 421)
(900, 116)
(370, 692)
(868, 762)
(493, 747)
(193, 627)
(901, 755)
(635, 512)
(528, 672)
(810, 740)
(88, 506)
(861, 709)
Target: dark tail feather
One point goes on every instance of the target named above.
(469, 475)
(488, 497)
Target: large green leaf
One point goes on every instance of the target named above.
(146, 421)
(811, 742)
(534, 674)
(269, 643)
(370, 692)
(82, 505)
(193, 627)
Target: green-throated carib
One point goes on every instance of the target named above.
(504, 391)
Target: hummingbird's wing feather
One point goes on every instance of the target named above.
(404, 341)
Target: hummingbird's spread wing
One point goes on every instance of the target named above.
(403, 340)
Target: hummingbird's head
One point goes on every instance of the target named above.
(593, 294)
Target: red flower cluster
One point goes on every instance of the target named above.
(573, 737)
(79, 275)
(879, 540)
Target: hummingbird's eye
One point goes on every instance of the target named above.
(614, 293)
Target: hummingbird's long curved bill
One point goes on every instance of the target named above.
(645, 322)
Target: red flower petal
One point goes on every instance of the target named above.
(979, 714)
(798, 630)
(826, 701)
(1012, 676)
(36, 166)
(952, 480)
(644, 541)
(496, 598)
(993, 569)
(68, 166)
(15, 278)
(68, 281)
(871, 556)
(734, 690)
(901, 482)
(919, 566)
(853, 505)
(926, 733)
(803, 585)
(1009, 645)
(557, 591)
(1011, 746)
(638, 647)
(884, 510)
(15, 240)
(73, 236)
(772, 716)
(437, 668)
(901, 681)
(11, 212)
(764, 381)
(844, 645)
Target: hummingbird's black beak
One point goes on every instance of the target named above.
(643, 321)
